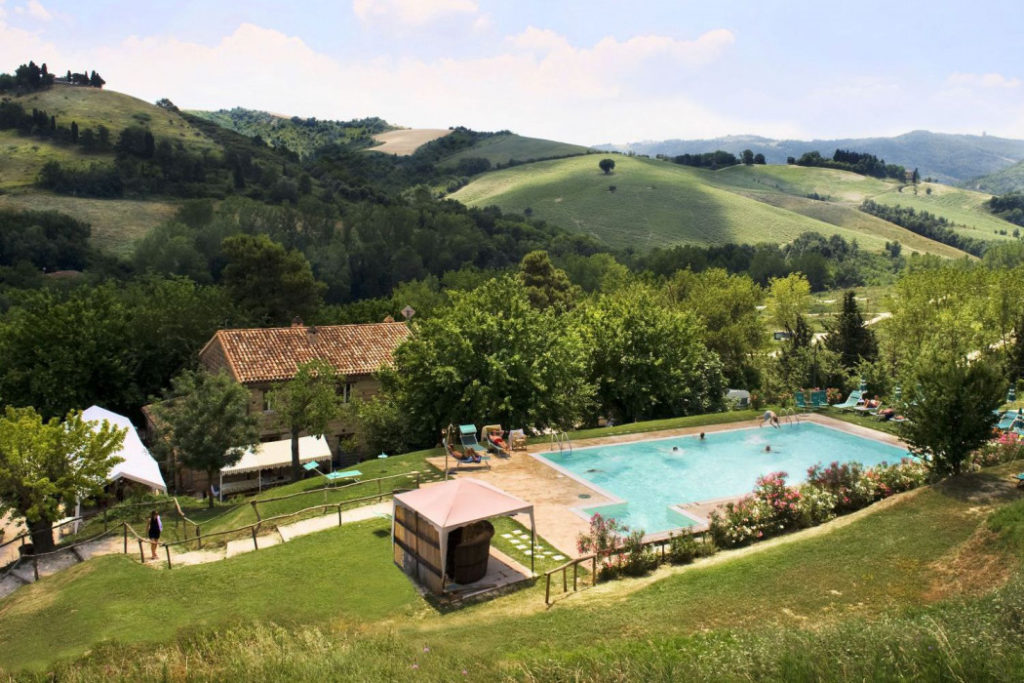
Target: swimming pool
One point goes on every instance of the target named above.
(649, 478)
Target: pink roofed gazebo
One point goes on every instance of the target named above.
(422, 520)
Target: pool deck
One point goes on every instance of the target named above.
(557, 497)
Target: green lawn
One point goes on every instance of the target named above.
(499, 149)
(340, 574)
(657, 203)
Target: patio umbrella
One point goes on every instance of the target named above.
(1011, 395)
(863, 385)
(897, 393)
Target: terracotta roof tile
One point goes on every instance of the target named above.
(273, 354)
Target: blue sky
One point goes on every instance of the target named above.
(586, 72)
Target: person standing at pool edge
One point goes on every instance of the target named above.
(155, 527)
(770, 418)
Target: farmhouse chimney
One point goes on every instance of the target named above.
(311, 334)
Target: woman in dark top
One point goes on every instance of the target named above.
(155, 527)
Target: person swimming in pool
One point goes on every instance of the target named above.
(770, 418)
(767, 449)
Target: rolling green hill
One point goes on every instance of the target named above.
(657, 203)
(500, 149)
(1007, 180)
(302, 136)
(90, 108)
(962, 207)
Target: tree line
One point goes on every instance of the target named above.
(1009, 206)
(925, 224)
(856, 162)
(31, 77)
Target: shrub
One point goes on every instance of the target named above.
(605, 536)
(682, 549)
(639, 558)
(903, 476)
(740, 523)
(815, 506)
(780, 499)
(847, 481)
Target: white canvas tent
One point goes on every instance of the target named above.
(441, 508)
(138, 465)
(274, 455)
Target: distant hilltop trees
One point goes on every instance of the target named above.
(31, 77)
(864, 164)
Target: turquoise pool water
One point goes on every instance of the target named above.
(650, 477)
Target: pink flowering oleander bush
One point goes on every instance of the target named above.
(1007, 448)
(889, 480)
(816, 506)
(605, 539)
(638, 559)
(772, 509)
(740, 523)
(847, 481)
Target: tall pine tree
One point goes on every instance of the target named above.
(849, 337)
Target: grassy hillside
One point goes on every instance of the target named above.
(90, 108)
(116, 223)
(880, 591)
(500, 149)
(963, 207)
(836, 185)
(656, 203)
(302, 136)
(1007, 180)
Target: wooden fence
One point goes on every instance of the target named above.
(658, 545)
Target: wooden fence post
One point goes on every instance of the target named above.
(104, 519)
(547, 591)
(168, 549)
(565, 580)
(594, 571)
(199, 538)
(142, 553)
(125, 525)
(380, 491)
(254, 543)
(575, 568)
(339, 514)
(35, 566)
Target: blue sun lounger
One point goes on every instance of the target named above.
(851, 401)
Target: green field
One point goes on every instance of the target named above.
(499, 149)
(801, 181)
(116, 223)
(963, 207)
(657, 204)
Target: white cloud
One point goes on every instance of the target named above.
(410, 12)
(990, 80)
(34, 9)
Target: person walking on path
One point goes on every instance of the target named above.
(155, 527)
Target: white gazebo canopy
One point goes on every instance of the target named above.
(274, 454)
(455, 503)
(137, 464)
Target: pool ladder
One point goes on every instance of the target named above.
(562, 441)
(790, 416)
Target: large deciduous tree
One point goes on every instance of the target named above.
(46, 467)
(490, 355)
(788, 299)
(647, 359)
(271, 283)
(606, 165)
(306, 403)
(204, 423)
(949, 408)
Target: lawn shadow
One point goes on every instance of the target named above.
(981, 488)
